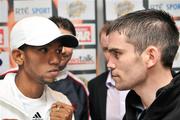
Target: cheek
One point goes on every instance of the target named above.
(137, 70)
(106, 54)
(62, 62)
(68, 50)
(65, 58)
(129, 65)
(36, 62)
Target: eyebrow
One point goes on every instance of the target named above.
(115, 49)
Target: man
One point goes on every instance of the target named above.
(105, 101)
(66, 82)
(142, 49)
(36, 46)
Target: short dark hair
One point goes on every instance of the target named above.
(150, 27)
(64, 23)
(104, 28)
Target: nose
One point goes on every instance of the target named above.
(55, 58)
(107, 55)
(110, 63)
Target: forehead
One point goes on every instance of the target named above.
(118, 41)
(103, 39)
(65, 31)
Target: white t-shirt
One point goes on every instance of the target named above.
(34, 107)
(14, 105)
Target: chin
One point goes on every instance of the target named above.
(121, 88)
(118, 88)
(61, 68)
(48, 81)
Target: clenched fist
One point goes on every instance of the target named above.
(61, 111)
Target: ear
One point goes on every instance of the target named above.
(151, 56)
(18, 56)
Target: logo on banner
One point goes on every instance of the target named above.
(84, 33)
(88, 59)
(1, 37)
(125, 7)
(24, 8)
(76, 8)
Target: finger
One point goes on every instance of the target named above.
(60, 115)
(52, 117)
(68, 107)
(54, 109)
(54, 105)
(61, 111)
(63, 105)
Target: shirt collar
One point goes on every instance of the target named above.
(62, 74)
(110, 82)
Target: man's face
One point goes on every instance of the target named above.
(128, 67)
(66, 52)
(104, 44)
(41, 63)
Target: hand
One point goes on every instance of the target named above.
(61, 111)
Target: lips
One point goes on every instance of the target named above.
(113, 75)
(54, 72)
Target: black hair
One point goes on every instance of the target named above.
(64, 23)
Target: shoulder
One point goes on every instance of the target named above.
(77, 82)
(99, 79)
(8, 78)
(12, 70)
(58, 96)
(6, 84)
(75, 78)
(9, 74)
(3, 83)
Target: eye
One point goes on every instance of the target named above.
(66, 56)
(115, 54)
(59, 51)
(105, 49)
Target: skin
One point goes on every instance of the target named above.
(61, 111)
(66, 111)
(122, 58)
(142, 73)
(104, 45)
(66, 53)
(37, 66)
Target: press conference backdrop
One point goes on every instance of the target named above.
(116, 8)
(81, 12)
(87, 16)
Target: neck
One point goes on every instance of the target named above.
(156, 80)
(27, 87)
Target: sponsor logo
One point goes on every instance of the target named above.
(37, 116)
(76, 9)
